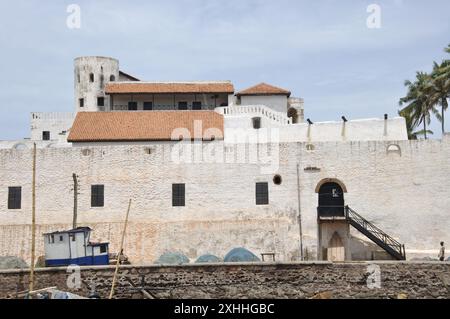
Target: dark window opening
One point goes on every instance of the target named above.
(61, 238)
(148, 106)
(91, 77)
(72, 237)
(81, 102)
(197, 105)
(182, 105)
(277, 180)
(112, 78)
(292, 113)
(102, 249)
(178, 195)
(256, 123)
(262, 193)
(97, 195)
(100, 101)
(46, 135)
(132, 106)
(52, 239)
(14, 197)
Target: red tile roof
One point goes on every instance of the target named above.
(264, 89)
(169, 87)
(144, 126)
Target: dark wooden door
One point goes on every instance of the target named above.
(331, 200)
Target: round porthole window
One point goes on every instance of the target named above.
(277, 180)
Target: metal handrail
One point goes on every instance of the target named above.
(374, 230)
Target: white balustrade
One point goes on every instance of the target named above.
(263, 110)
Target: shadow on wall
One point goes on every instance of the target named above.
(10, 262)
(235, 255)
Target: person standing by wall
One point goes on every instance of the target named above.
(442, 252)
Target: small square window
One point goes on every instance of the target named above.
(100, 101)
(132, 106)
(197, 105)
(81, 102)
(97, 195)
(178, 195)
(256, 123)
(102, 249)
(46, 136)
(72, 237)
(148, 106)
(14, 197)
(182, 105)
(61, 238)
(91, 77)
(262, 194)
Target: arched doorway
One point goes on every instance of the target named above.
(292, 113)
(331, 200)
(336, 249)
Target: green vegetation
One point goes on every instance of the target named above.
(428, 95)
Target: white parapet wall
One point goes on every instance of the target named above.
(239, 126)
(57, 123)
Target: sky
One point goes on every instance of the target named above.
(323, 51)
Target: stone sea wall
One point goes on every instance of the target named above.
(258, 280)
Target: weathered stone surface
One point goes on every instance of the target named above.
(258, 280)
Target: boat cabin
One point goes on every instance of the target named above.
(73, 247)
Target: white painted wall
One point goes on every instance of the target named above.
(102, 68)
(404, 193)
(278, 103)
(58, 124)
(238, 127)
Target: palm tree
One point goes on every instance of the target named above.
(440, 88)
(418, 103)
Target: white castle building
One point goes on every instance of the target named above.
(210, 169)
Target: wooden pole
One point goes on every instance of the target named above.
(111, 294)
(75, 200)
(33, 219)
(299, 213)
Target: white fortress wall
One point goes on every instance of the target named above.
(238, 125)
(402, 188)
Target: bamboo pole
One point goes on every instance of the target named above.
(111, 294)
(75, 200)
(33, 219)
(299, 213)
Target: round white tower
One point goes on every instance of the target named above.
(91, 75)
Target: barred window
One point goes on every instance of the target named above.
(178, 195)
(262, 194)
(46, 135)
(14, 197)
(97, 195)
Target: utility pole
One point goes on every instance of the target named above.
(299, 213)
(75, 200)
(111, 294)
(33, 219)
